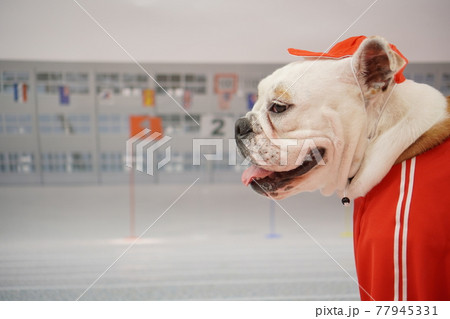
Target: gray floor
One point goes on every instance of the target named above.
(211, 245)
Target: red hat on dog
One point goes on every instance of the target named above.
(346, 49)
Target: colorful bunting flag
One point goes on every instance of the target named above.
(20, 92)
(187, 99)
(251, 99)
(148, 97)
(64, 95)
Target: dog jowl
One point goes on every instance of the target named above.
(276, 161)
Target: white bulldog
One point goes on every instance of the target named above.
(337, 125)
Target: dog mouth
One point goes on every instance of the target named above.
(267, 182)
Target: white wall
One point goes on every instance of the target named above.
(214, 30)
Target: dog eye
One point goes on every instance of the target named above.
(278, 108)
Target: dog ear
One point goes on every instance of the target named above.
(376, 63)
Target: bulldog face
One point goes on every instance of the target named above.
(294, 135)
(308, 128)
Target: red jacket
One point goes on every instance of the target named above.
(402, 231)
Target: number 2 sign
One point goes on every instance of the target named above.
(217, 126)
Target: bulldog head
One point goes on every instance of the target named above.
(308, 129)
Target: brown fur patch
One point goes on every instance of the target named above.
(281, 94)
(431, 138)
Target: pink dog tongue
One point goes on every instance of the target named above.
(253, 172)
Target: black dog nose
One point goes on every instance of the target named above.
(243, 127)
